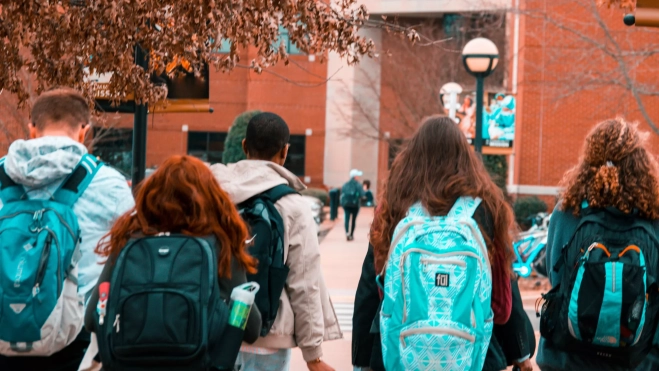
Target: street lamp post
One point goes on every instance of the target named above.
(139, 128)
(480, 57)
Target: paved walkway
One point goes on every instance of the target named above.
(341, 263)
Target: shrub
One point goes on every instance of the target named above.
(318, 193)
(233, 145)
(497, 166)
(528, 206)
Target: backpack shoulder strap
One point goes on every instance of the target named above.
(278, 192)
(10, 191)
(76, 184)
(464, 207)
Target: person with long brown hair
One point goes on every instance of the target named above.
(610, 201)
(183, 197)
(436, 168)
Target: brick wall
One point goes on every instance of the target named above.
(296, 92)
(564, 87)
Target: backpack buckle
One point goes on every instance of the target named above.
(36, 221)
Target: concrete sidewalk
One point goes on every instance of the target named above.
(342, 263)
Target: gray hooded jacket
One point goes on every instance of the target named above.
(41, 165)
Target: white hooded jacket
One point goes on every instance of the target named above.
(41, 165)
(306, 316)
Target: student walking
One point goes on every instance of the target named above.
(442, 242)
(57, 202)
(303, 315)
(351, 197)
(602, 244)
(154, 288)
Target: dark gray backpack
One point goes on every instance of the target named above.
(267, 229)
(164, 307)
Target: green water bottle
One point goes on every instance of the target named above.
(242, 299)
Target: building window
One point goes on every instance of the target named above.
(291, 48)
(115, 148)
(395, 146)
(453, 25)
(206, 146)
(296, 152)
(225, 47)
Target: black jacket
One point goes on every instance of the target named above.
(366, 348)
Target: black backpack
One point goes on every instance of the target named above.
(351, 194)
(267, 229)
(164, 308)
(606, 304)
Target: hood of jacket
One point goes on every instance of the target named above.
(248, 178)
(40, 162)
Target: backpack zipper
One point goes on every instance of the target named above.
(436, 331)
(421, 251)
(41, 270)
(117, 323)
(62, 221)
(427, 261)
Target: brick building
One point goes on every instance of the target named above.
(568, 66)
(577, 67)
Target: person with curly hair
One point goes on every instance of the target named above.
(615, 187)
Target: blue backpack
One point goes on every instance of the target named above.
(40, 310)
(605, 306)
(436, 311)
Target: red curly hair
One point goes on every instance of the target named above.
(182, 196)
(615, 170)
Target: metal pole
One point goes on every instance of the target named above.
(139, 129)
(478, 135)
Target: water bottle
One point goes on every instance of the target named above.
(242, 299)
(240, 305)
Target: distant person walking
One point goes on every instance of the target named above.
(351, 197)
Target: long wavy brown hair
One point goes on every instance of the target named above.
(436, 167)
(182, 196)
(615, 170)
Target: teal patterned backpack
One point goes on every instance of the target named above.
(436, 312)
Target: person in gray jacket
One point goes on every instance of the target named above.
(60, 120)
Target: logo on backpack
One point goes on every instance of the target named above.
(436, 311)
(441, 280)
(606, 303)
(39, 255)
(260, 213)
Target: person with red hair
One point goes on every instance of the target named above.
(183, 197)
